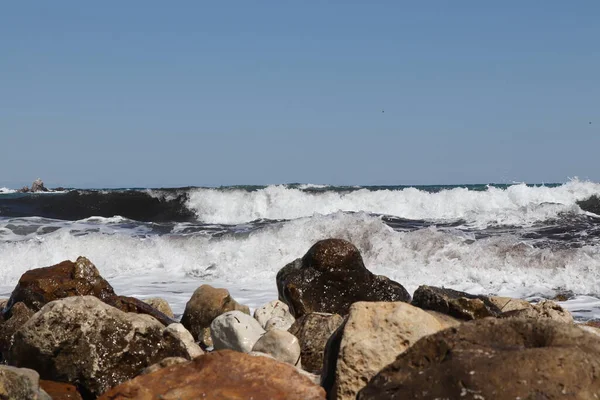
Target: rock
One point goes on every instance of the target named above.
(42, 285)
(371, 338)
(220, 375)
(445, 320)
(591, 204)
(3, 303)
(167, 362)
(507, 304)
(60, 390)
(133, 305)
(20, 315)
(206, 304)
(457, 304)
(497, 359)
(38, 186)
(544, 310)
(179, 333)
(279, 323)
(235, 330)
(20, 384)
(24, 189)
(313, 330)
(271, 310)
(280, 344)
(330, 277)
(161, 305)
(85, 341)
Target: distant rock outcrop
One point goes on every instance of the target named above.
(38, 186)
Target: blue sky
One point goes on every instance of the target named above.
(132, 93)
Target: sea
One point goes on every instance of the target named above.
(530, 241)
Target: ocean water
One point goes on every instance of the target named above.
(527, 241)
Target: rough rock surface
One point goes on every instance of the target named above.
(457, 304)
(178, 332)
(507, 304)
(280, 344)
(42, 285)
(167, 362)
(220, 375)
(235, 330)
(38, 186)
(274, 309)
(83, 340)
(161, 305)
(497, 359)
(543, 310)
(60, 390)
(20, 315)
(133, 305)
(313, 330)
(373, 335)
(330, 277)
(3, 303)
(20, 384)
(206, 304)
(279, 323)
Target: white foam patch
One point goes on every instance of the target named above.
(173, 266)
(7, 190)
(517, 205)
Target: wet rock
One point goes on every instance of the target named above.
(133, 305)
(313, 330)
(274, 309)
(280, 344)
(179, 334)
(543, 310)
(279, 323)
(38, 186)
(206, 304)
(20, 315)
(235, 330)
(591, 204)
(85, 341)
(457, 304)
(167, 362)
(161, 305)
(494, 359)
(373, 335)
(20, 384)
(42, 285)
(60, 390)
(330, 277)
(221, 375)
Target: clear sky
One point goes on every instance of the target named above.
(149, 93)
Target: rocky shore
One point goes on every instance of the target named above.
(337, 331)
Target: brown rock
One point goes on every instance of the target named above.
(543, 310)
(60, 390)
(497, 359)
(206, 304)
(220, 375)
(20, 315)
(167, 362)
(330, 277)
(507, 304)
(374, 334)
(131, 304)
(457, 304)
(42, 285)
(3, 303)
(313, 330)
(161, 305)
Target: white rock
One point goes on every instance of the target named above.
(282, 345)
(179, 332)
(273, 309)
(279, 323)
(235, 330)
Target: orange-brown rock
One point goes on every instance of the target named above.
(220, 375)
(40, 286)
(60, 390)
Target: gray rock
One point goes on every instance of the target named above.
(179, 333)
(20, 314)
(279, 323)
(273, 309)
(235, 330)
(38, 186)
(280, 344)
(20, 384)
(457, 304)
(85, 341)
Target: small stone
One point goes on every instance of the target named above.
(280, 344)
(235, 330)
(273, 309)
(161, 305)
(279, 323)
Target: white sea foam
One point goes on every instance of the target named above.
(7, 190)
(517, 205)
(172, 266)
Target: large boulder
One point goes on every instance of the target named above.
(206, 304)
(330, 277)
(85, 341)
(133, 305)
(221, 375)
(282, 345)
(38, 186)
(20, 384)
(457, 304)
(42, 285)
(373, 335)
(499, 359)
(313, 330)
(235, 330)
